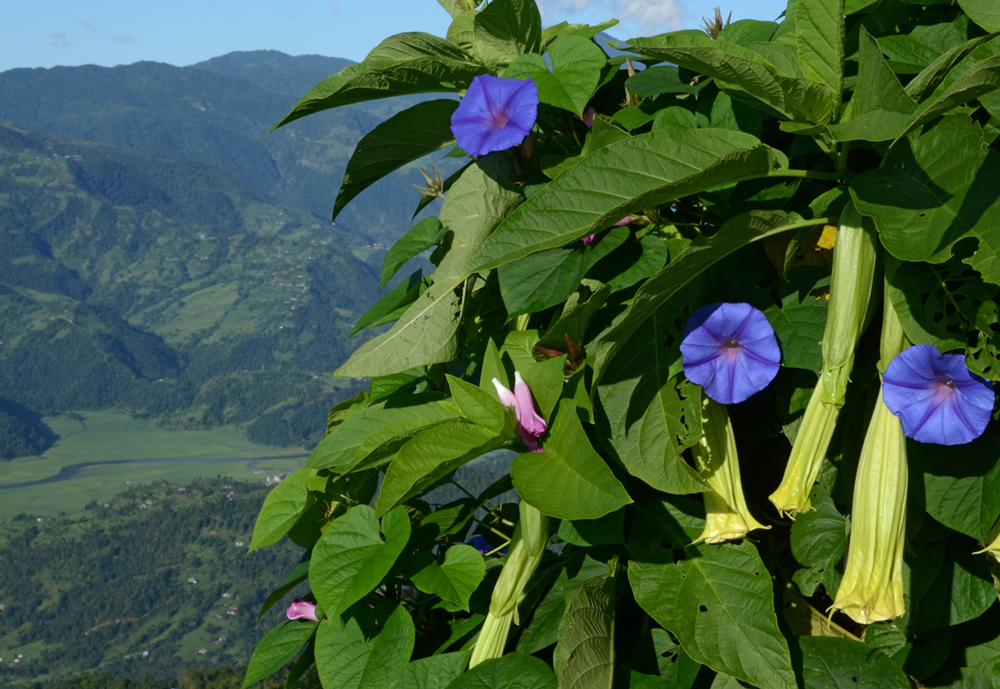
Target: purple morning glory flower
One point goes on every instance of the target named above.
(301, 609)
(495, 114)
(530, 426)
(730, 350)
(483, 546)
(936, 397)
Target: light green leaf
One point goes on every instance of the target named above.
(586, 650)
(477, 405)
(430, 455)
(925, 83)
(720, 605)
(462, 31)
(353, 653)
(831, 663)
(401, 139)
(351, 558)
(701, 254)
(631, 174)
(506, 29)
(277, 648)
(819, 542)
(576, 70)
(933, 191)
(418, 239)
(381, 446)
(456, 8)
(282, 508)
(986, 13)
(454, 580)
(404, 64)
(434, 672)
(569, 480)
(819, 38)
(428, 332)
(512, 671)
(297, 576)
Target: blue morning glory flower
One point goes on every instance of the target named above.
(730, 350)
(936, 397)
(495, 114)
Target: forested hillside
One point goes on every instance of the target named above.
(113, 588)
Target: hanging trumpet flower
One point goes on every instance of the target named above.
(850, 291)
(731, 350)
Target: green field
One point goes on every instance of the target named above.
(109, 436)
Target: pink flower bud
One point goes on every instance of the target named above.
(301, 609)
(530, 426)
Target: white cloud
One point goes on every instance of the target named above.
(644, 17)
(123, 38)
(59, 39)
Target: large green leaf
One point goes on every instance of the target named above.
(819, 38)
(986, 13)
(434, 672)
(769, 77)
(831, 663)
(401, 139)
(962, 591)
(277, 648)
(478, 405)
(454, 580)
(576, 70)
(635, 173)
(720, 605)
(586, 650)
(404, 64)
(933, 189)
(428, 332)
(432, 454)
(910, 53)
(512, 671)
(925, 83)
(569, 480)
(506, 29)
(351, 558)
(701, 254)
(357, 653)
(282, 508)
(419, 238)
(979, 80)
(819, 542)
(800, 320)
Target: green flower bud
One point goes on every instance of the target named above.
(854, 257)
(526, 549)
(727, 517)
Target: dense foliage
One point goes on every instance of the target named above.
(625, 259)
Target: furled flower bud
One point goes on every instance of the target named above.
(301, 609)
(530, 426)
(727, 517)
(496, 114)
(850, 291)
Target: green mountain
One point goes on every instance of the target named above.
(218, 113)
(154, 582)
(169, 288)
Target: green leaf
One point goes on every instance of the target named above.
(434, 672)
(701, 254)
(819, 542)
(457, 8)
(298, 575)
(586, 650)
(925, 83)
(350, 657)
(923, 202)
(401, 139)
(404, 64)
(669, 425)
(432, 454)
(277, 648)
(477, 405)
(607, 530)
(506, 29)
(576, 70)
(282, 508)
(658, 657)
(654, 81)
(720, 605)
(454, 580)
(986, 13)
(419, 238)
(819, 38)
(351, 558)
(381, 446)
(962, 591)
(393, 304)
(628, 175)
(831, 663)
(512, 671)
(569, 480)
(800, 320)
(428, 332)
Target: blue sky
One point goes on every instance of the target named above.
(45, 33)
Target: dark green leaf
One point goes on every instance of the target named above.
(830, 663)
(586, 651)
(393, 304)
(962, 591)
(512, 671)
(277, 648)
(819, 542)
(800, 320)
(418, 239)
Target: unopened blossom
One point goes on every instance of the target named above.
(588, 116)
(530, 426)
(495, 114)
(301, 609)
(936, 397)
(730, 350)
(624, 221)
